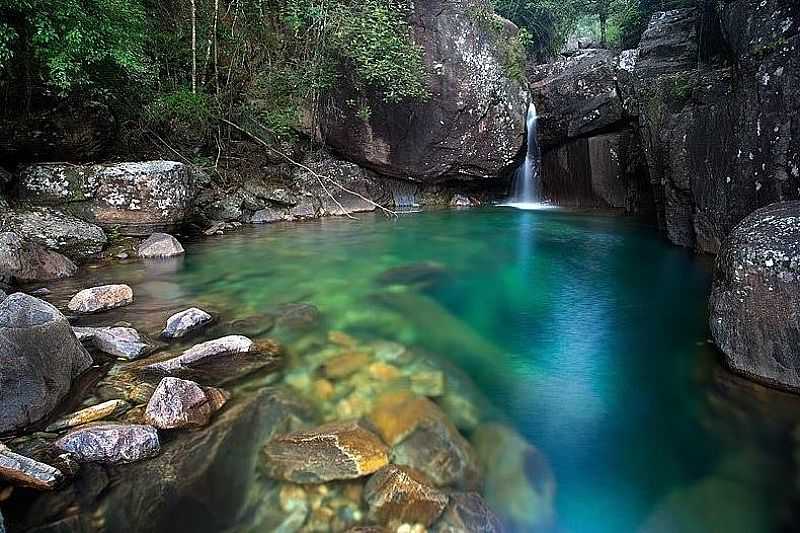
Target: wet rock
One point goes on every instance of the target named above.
(137, 197)
(335, 451)
(224, 346)
(111, 443)
(160, 245)
(102, 298)
(40, 358)
(518, 481)
(94, 413)
(25, 472)
(26, 261)
(467, 512)
(252, 326)
(459, 200)
(440, 139)
(178, 403)
(55, 230)
(268, 216)
(2, 295)
(397, 494)
(117, 341)
(186, 322)
(755, 296)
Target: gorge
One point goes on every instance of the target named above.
(209, 325)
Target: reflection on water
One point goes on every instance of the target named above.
(585, 333)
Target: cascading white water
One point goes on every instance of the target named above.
(526, 188)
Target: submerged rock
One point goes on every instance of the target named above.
(423, 274)
(178, 403)
(160, 245)
(39, 356)
(102, 298)
(335, 451)
(232, 344)
(117, 341)
(26, 261)
(398, 494)
(90, 414)
(186, 322)
(756, 295)
(111, 443)
(25, 472)
(297, 316)
(468, 512)
(55, 230)
(518, 481)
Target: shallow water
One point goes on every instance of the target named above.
(586, 333)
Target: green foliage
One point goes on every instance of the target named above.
(73, 44)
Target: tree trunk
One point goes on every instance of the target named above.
(603, 30)
(194, 46)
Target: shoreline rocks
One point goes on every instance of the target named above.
(65, 234)
(178, 403)
(186, 322)
(398, 494)
(94, 413)
(224, 346)
(756, 295)
(160, 245)
(104, 298)
(26, 472)
(111, 443)
(40, 357)
(24, 262)
(122, 342)
(334, 451)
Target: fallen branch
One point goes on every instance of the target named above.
(319, 177)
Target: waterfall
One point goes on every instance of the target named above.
(404, 194)
(526, 189)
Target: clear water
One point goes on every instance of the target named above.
(586, 333)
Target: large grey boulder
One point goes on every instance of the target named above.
(138, 197)
(55, 230)
(473, 125)
(23, 261)
(39, 359)
(756, 296)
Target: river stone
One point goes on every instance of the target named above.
(224, 346)
(398, 494)
(55, 230)
(90, 414)
(102, 298)
(297, 316)
(2, 295)
(756, 296)
(39, 359)
(468, 512)
(160, 245)
(117, 341)
(27, 261)
(472, 126)
(518, 481)
(186, 322)
(396, 414)
(26, 472)
(178, 403)
(335, 451)
(134, 196)
(111, 443)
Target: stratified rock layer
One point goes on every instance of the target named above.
(756, 296)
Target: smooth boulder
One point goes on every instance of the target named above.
(335, 451)
(756, 296)
(102, 298)
(111, 443)
(186, 322)
(39, 359)
(25, 262)
(160, 245)
(178, 403)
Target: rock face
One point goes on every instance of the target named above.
(339, 450)
(705, 184)
(39, 359)
(160, 245)
(111, 443)
(473, 124)
(397, 494)
(183, 323)
(26, 472)
(138, 197)
(755, 296)
(178, 403)
(55, 230)
(102, 298)
(26, 261)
